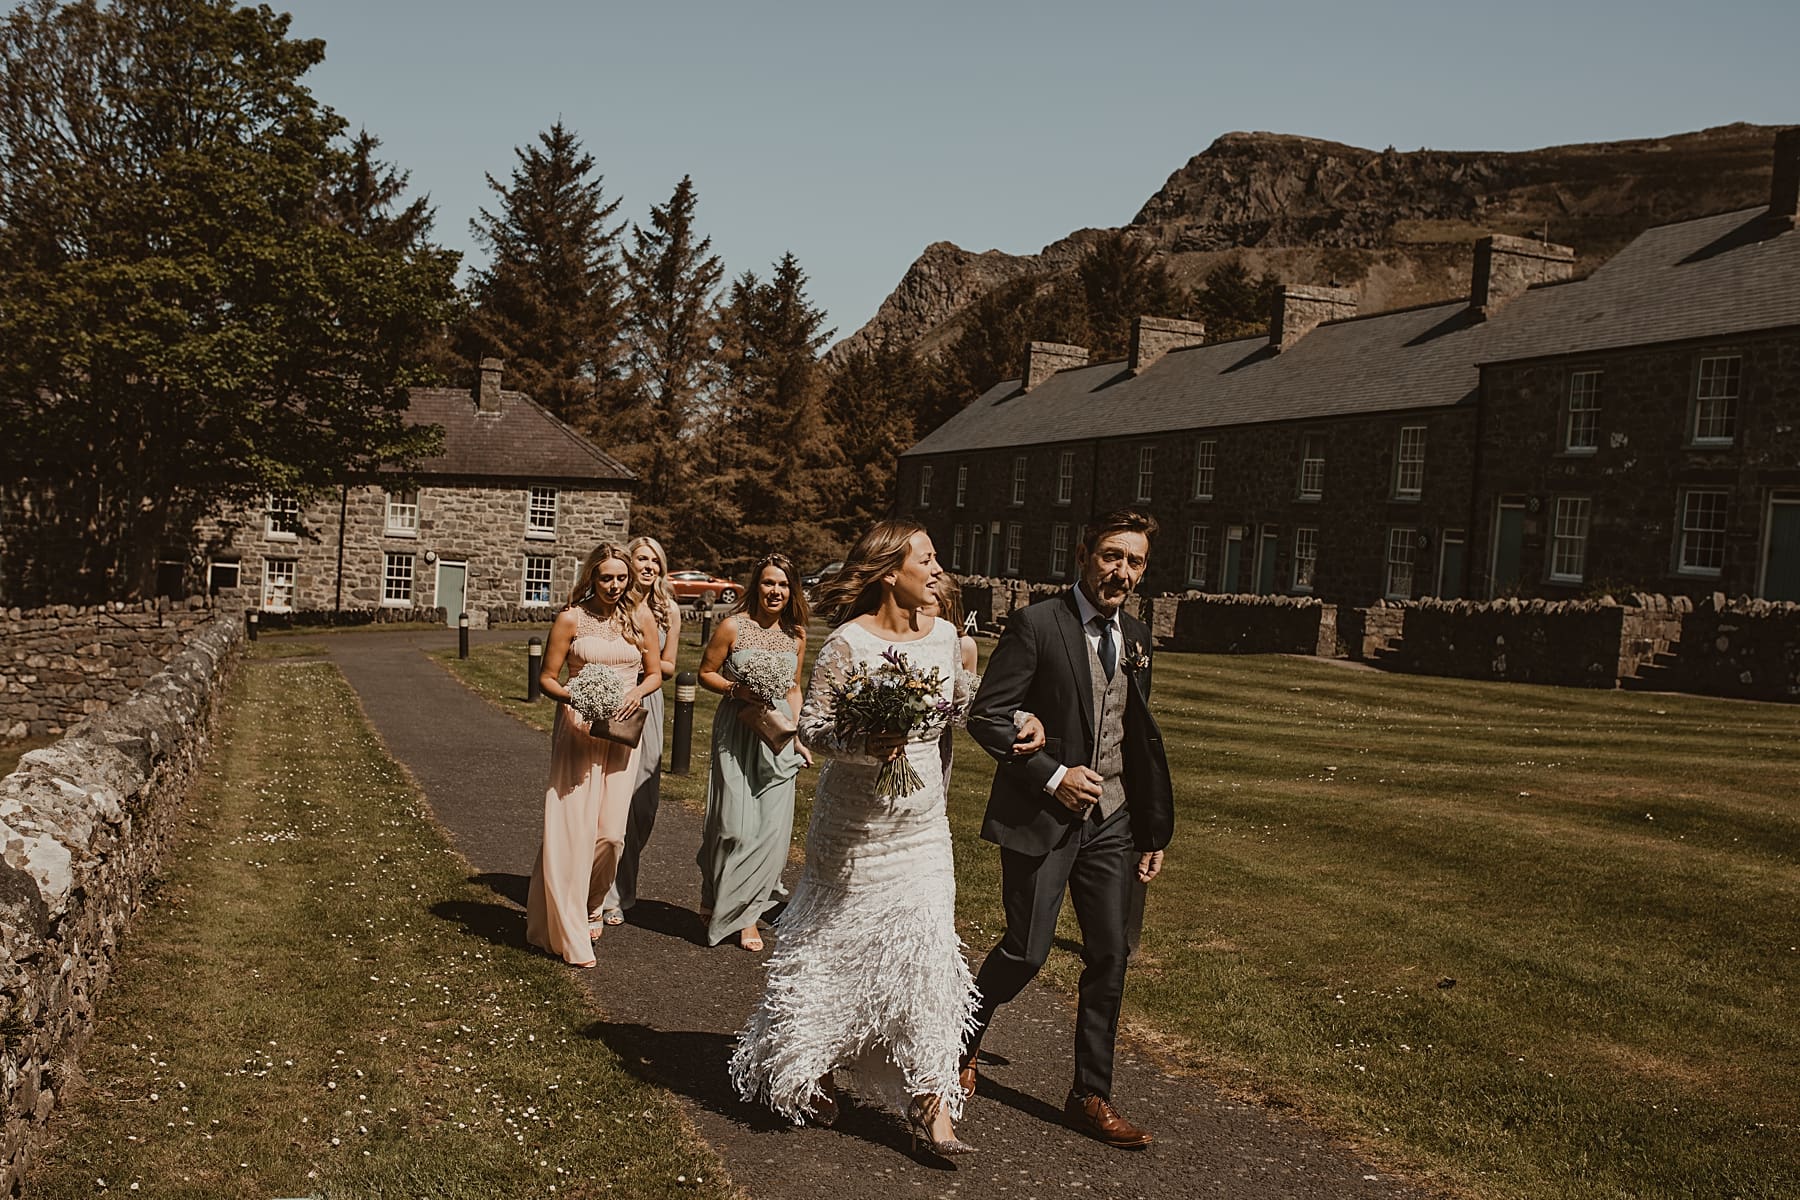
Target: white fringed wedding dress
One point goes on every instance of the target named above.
(867, 979)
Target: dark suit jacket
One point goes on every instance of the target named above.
(1041, 666)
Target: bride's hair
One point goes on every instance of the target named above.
(856, 589)
(792, 617)
(587, 587)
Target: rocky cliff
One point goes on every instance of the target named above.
(1398, 226)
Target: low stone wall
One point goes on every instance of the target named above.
(82, 826)
(63, 663)
(1208, 624)
(1365, 634)
(1747, 648)
(993, 600)
(324, 618)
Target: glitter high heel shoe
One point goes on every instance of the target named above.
(919, 1117)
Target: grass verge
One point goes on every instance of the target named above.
(315, 1005)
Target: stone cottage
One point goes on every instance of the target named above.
(501, 519)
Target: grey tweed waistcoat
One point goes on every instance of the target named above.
(1109, 730)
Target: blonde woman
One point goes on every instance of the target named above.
(591, 779)
(650, 596)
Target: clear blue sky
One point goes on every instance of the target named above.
(854, 134)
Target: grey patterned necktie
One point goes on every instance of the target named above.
(1109, 655)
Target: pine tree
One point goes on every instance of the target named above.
(871, 401)
(775, 395)
(1121, 279)
(671, 364)
(548, 300)
(1232, 304)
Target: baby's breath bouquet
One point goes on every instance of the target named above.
(769, 675)
(597, 693)
(893, 698)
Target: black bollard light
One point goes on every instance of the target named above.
(252, 619)
(534, 666)
(462, 636)
(681, 754)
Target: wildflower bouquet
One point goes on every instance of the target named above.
(769, 675)
(894, 698)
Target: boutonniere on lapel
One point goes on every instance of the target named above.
(1136, 658)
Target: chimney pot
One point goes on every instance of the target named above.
(487, 385)
(1301, 308)
(1507, 266)
(1153, 337)
(1784, 189)
(1044, 359)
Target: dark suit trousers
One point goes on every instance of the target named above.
(1097, 865)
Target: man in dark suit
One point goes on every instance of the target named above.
(1089, 813)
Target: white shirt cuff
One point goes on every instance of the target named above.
(1055, 781)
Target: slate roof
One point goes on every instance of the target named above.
(521, 441)
(1702, 278)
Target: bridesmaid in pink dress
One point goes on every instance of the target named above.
(591, 779)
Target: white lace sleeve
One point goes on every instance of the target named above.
(818, 728)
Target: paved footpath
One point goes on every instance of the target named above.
(671, 1005)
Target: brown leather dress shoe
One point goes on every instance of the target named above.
(1096, 1117)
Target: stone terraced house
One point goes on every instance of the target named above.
(1636, 429)
(500, 520)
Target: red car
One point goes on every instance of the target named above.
(697, 586)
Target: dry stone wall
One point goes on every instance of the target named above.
(82, 827)
(1747, 648)
(63, 663)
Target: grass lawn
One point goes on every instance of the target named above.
(302, 1010)
(1539, 942)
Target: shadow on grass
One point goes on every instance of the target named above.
(694, 1065)
(500, 924)
(504, 883)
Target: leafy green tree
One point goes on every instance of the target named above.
(991, 344)
(789, 462)
(671, 363)
(548, 302)
(189, 314)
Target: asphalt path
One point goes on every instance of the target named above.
(670, 1005)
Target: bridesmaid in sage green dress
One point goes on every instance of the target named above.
(750, 789)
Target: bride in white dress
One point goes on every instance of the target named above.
(868, 986)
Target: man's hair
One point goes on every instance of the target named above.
(1120, 520)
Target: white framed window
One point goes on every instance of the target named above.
(1018, 479)
(1702, 547)
(1065, 477)
(962, 483)
(1312, 466)
(1059, 551)
(1206, 460)
(538, 574)
(396, 579)
(278, 585)
(1568, 539)
(1402, 543)
(1715, 399)
(1306, 557)
(956, 546)
(925, 486)
(1146, 472)
(1199, 541)
(540, 513)
(1581, 424)
(403, 513)
(221, 575)
(1409, 462)
(1015, 546)
(281, 518)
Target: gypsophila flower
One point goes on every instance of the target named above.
(597, 693)
(766, 673)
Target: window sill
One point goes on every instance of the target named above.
(280, 537)
(1699, 572)
(1206, 499)
(1702, 444)
(1577, 452)
(402, 533)
(1414, 498)
(1309, 498)
(1565, 580)
(540, 535)
(396, 604)
(534, 604)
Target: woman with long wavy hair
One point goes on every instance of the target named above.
(750, 788)
(650, 596)
(589, 793)
(867, 986)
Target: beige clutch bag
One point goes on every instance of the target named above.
(627, 732)
(773, 726)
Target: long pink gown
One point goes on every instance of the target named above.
(585, 808)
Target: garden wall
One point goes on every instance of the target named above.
(1209, 624)
(82, 826)
(63, 663)
(1747, 648)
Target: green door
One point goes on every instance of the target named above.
(1509, 541)
(1781, 567)
(1234, 553)
(1450, 568)
(451, 581)
(1265, 563)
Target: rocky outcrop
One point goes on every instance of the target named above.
(82, 826)
(1397, 225)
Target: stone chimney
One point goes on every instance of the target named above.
(1044, 359)
(1300, 308)
(1153, 337)
(487, 385)
(1506, 266)
(1784, 191)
